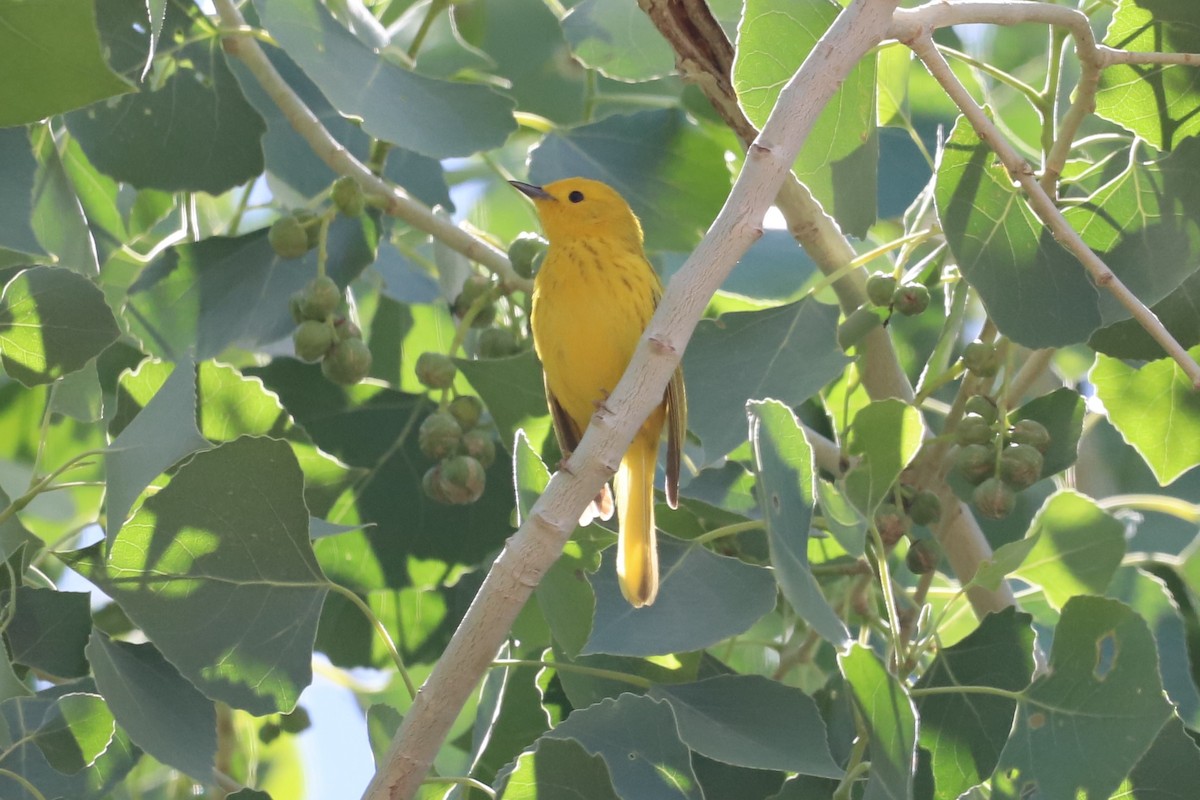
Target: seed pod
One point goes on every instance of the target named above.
(976, 462)
(911, 299)
(466, 409)
(922, 557)
(880, 288)
(320, 299)
(435, 370)
(892, 523)
(526, 253)
(973, 429)
(439, 435)
(1020, 465)
(345, 329)
(348, 362)
(926, 508)
(348, 196)
(311, 222)
(430, 483)
(473, 289)
(462, 480)
(1030, 432)
(288, 238)
(480, 445)
(497, 343)
(994, 499)
(312, 340)
(982, 406)
(982, 359)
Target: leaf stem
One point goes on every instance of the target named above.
(29, 787)
(1171, 506)
(384, 636)
(460, 781)
(729, 530)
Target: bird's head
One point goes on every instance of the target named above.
(580, 208)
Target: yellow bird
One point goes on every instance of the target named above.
(592, 299)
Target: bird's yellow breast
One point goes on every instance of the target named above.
(592, 300)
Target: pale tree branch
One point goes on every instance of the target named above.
(704, 56)
(920, 40)
(395, 201)
(539, 540)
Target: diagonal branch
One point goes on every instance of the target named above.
(395, 201)
(539, 541)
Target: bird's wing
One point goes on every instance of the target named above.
(565, 429)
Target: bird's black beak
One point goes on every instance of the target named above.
(531, 191)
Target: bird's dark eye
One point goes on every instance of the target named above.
(575, 196)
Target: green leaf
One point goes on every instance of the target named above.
(1157, 102)
(50, 630)
(618, 39)
(1177, 311)
(838, 160)
(566, 600)
(1035, 291)
(669, 169)
(395, 104)
(774, 270)
(13, 535)
(58, 219)
(22, 716)
(1156, 409)
(557, 769)
(846, 523)
(1061, 412)
(1170, 769)
(223, 292)
(54, 46)
(886, 435)
(291, 159)
(218, 571)
(891, 720)
(786, 353)
(690, 613)
(751, 721)
(513, 392)
(786, 491)
(509, 718)
(162, 713)
(1079, 547)
(163, 433)
(191, 130)
(638, 740)
(1084, 724)
(76, 731)
(52, 321)
(18, 170)
(965, 733)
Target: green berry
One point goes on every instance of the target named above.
(1020, 465)
(435, 370)
(982, 359)
(880, 288)
(431, 483)
(922, 557)
(972, 429)
(994, 499)
(892, 523)
(1030, 432)
(497, 343)
(348, 196)
(461, 480)
(474, 288)
(526, 253)
(439, 435)
(320, 299)
(466, 409)
(348, 362)
(975, 462)
(312, 340)
(288, 238)
(925, 508)
(345, 329)
(911, 299)
(480, 445)
(982, 406)
(311, 222)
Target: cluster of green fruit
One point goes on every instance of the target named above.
(479, 293)
(322, 335)
(458, 436)
(294, 235)
(909, 299)
(997, 458)
(894, 520)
